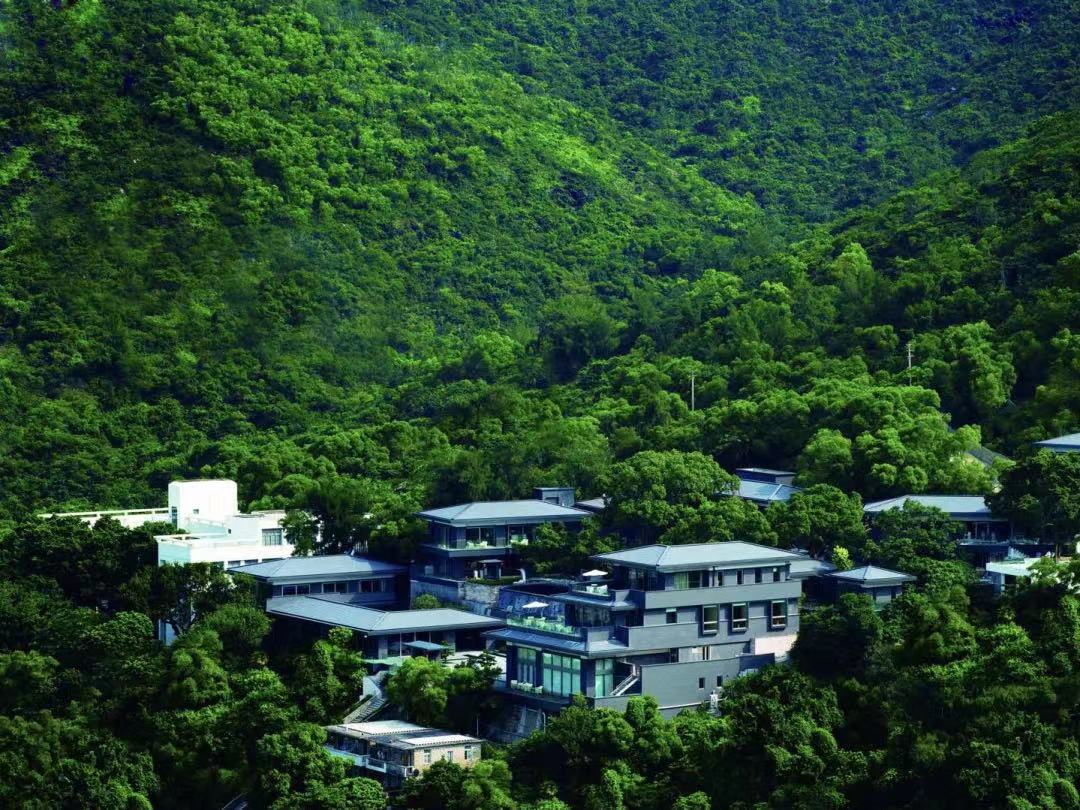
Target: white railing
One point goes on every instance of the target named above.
(627, 683)
(100, 513)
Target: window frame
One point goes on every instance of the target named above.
(278, 533)
(671, 616)
(778, 622)
(740, 625)
(710, 627)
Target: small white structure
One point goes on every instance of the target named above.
(214, 528)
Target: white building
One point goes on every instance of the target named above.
(214, 529)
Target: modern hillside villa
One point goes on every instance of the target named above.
(477, 540)
(211, 527)
(313, 594)
(393, 751)
(674, 622)
(984, 536)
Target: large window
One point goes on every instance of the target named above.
(710, 619)
(691, 579)
(294, 590)
(273, 537)
(335, 587)
(605, 676)
(482, 535)
(671, 616)
(698, 653)
(526, 664)
(758, 575)
(776, 575)
(517, 534)
(740, 617)
(778, 615)
(739, 577)
(372, 585)
(562, 674)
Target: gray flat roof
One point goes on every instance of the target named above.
(973, 506)
(502, 511)
(1070, 441)
(330, 565)
(698, 555)
(763, 470)
(327, 609)
(872, 575)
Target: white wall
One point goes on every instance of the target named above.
(213, 500)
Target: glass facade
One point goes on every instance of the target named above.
(562, 674)
(526, 664)
(605, 677)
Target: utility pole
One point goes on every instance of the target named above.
(692, 376)
(910, 355)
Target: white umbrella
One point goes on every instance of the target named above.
(596, 572)
(534, 605)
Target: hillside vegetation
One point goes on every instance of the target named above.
(350, 265)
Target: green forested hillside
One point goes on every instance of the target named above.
(351, 265)
(812, 107)
(366, 257)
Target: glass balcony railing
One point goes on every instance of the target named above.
(544, 625)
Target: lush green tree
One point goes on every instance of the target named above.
(651, 490)
(241, 629)
(328, 679)
(179, 594)
(1039, 494)
(818, 519)
(838, 641)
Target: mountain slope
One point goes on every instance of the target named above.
(813, 108)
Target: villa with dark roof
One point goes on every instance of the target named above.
(882, 585)
(674, 622)
(984, 536)
(478, 540)
(384, 633)
(366, 582)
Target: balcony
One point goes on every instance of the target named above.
(543, 625)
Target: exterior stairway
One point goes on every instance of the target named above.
(625, 685)
(373, 705)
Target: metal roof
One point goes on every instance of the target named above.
(377, 728)
(330, 565)
(872, 575)
(1068, 442)
(956, 505)
(809, 567)
(763, 471)
(433, 740)
(326, 609)
(698, 555)
(765, 492)
(501, 511)
(592, 504)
